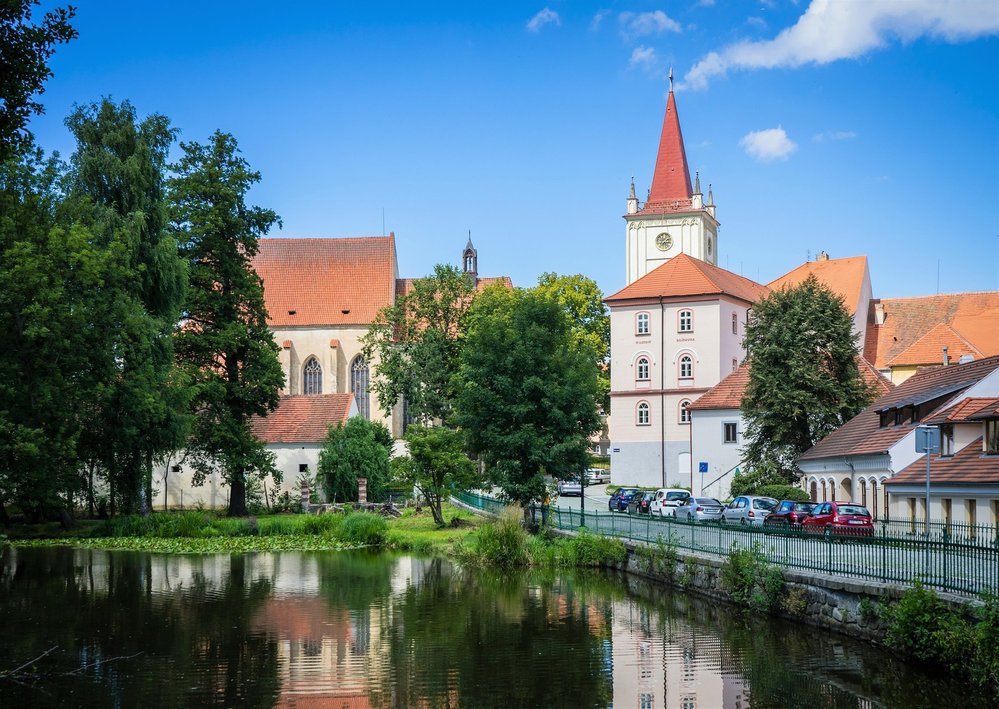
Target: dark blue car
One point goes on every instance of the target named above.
(620, 499)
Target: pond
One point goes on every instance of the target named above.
(380, 630)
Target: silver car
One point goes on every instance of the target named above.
(572, 486)
(748, 509)
(595, 476)
(699, 509)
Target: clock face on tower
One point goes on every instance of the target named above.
(664, 241)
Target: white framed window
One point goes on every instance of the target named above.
(947, 439)
(730, 433)
(735, 323)
(642, 324)
(312, 377)
(642, 414)
(686, 321)
(685, 411)
(686, 367)
(642, 369)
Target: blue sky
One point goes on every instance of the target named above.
(850, 126)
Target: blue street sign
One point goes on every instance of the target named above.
(702, 467)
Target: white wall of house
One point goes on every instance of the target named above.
(708, 446)
(968, 504)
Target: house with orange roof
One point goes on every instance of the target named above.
(906, 334)
(872, 458)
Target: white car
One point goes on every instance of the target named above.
(666, 501)
(595, 476)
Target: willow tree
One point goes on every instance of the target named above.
(225, 344)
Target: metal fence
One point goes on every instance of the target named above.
(953, 557)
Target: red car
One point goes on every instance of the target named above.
(789, 514)
(839, 519)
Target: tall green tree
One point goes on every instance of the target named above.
(416, 343)
(528, 391)
(25, 49)
(116, 189)
(583, 302)
(225, 344)
(804, 381)
(356, 449)
(437, 464)
(47, 272)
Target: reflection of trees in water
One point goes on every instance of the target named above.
(785, 663)
(200, 632)
(495, 640)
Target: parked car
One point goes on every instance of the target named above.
(570, 486)
(640, 503)
(748, 509)
(666, 500)
(700, 509)
(596, 476)
(620, 499)
(839, 519)
(789, 514)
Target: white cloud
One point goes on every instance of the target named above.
(644, 57)
(705, 3)
(642, 24)
(769, 144)
(831, 30)
(545, 17)
(756, 22)
(834, 135)
(598, 20)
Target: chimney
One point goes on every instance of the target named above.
(946, 356)
(823, 256)
(879, 313)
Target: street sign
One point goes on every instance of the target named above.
(927, 439)
(702, 467)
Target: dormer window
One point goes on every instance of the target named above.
(946, 439)
(990, 442)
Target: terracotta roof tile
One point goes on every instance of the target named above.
(319, 279)
(989, 411)
(684, 275)
(671, 178)
(863, 433)
(928, 349)
(968, 467)
(302, 419)
(403, 286)
(726, 394)
(843, 276)
(974, 316)
(875, 379)
(966, 409)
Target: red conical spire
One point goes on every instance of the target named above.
(671, 181)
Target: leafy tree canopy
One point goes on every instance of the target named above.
(528, 391)
(804, 381)
(416, 343)
(225, 344)
(25, 49)
(356, 449)
(436, 464)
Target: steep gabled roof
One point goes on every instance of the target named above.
(968, 409)
(974, 316)
(928, 349)
(671, 179)
(880, 384)
(863, 433)
(967, 467)
(726, 394)
(843, 276)
(312, 282)
(302, 419)
(684, 275)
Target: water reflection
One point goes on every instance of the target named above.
(365, 630)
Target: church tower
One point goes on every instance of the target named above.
(470, 261)
(675, 218)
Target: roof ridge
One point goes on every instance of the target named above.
(937, 295)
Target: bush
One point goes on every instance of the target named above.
(659, 559)
(502, 543)
(783, 492)
(331, 524)
(361, 528)
(588, 549)
(751, 581)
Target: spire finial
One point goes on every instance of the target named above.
(631, 192)
(697, 182)
(711, 197)
(671, 78)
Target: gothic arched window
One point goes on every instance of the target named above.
(359, 386)
(643, 369)
(312, 377)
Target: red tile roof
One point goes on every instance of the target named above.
(671, 179)
(968, 467)
(928, 349)
(966, 409)
(863, 433)
(684, 275)
(843, 276)
(302, 419)
(974, 316)
(403, 286)
(311, 282)
(726, 394)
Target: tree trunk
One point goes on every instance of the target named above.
(3, 515)
(435, 508)
(90, 488)
(237, 495)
